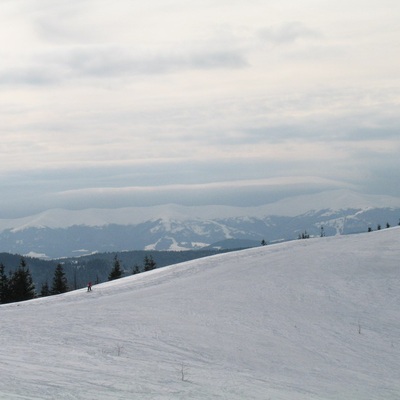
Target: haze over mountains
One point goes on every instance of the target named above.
(65, 233)
(314, 319)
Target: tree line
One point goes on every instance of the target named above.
(379, 226)
(19, 286)
(117, 271)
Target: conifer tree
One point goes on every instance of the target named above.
(135, 269)
(116, 271)
(60, 284)
(4, 286)
(45, 290)
(21, 284)
(149, 263)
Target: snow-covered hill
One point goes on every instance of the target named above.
(67, 233)
(315, 319)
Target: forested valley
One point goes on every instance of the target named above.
(24, 278)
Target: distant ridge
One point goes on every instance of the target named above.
(66, 233)
(292, 206)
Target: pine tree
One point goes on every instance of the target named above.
(60, 284)
(116, 271)
(149, 263)
(135, 269)
(304, 235)
(21, 284)
(4, 286)
(45, 290)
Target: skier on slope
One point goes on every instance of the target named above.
(89, 287)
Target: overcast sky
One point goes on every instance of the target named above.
(238, 102)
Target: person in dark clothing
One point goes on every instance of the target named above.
(89, 287)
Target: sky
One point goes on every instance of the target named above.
(124, 103)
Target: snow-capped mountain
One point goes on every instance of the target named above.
(307, 320)
(65, 233)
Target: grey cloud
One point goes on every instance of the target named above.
(184, 182)
(379, 171)
(337, 133)
(31, 76)
(61, 22)
(111, 62)
(251, 195)
(277, 134)
(376, 133)
(288, 33)
(221, 59)
(44, 192)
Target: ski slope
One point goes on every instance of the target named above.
(310, 319)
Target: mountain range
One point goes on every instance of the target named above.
(60, 233)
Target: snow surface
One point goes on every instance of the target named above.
(310, 319)
(292, 206)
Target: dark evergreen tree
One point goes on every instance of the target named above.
(21, 284)
(149, 263)
(4, 286)
(304, 235)
(45, 290)
(60, 284)
(75, 278)
(116, 271)
(135, 269)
